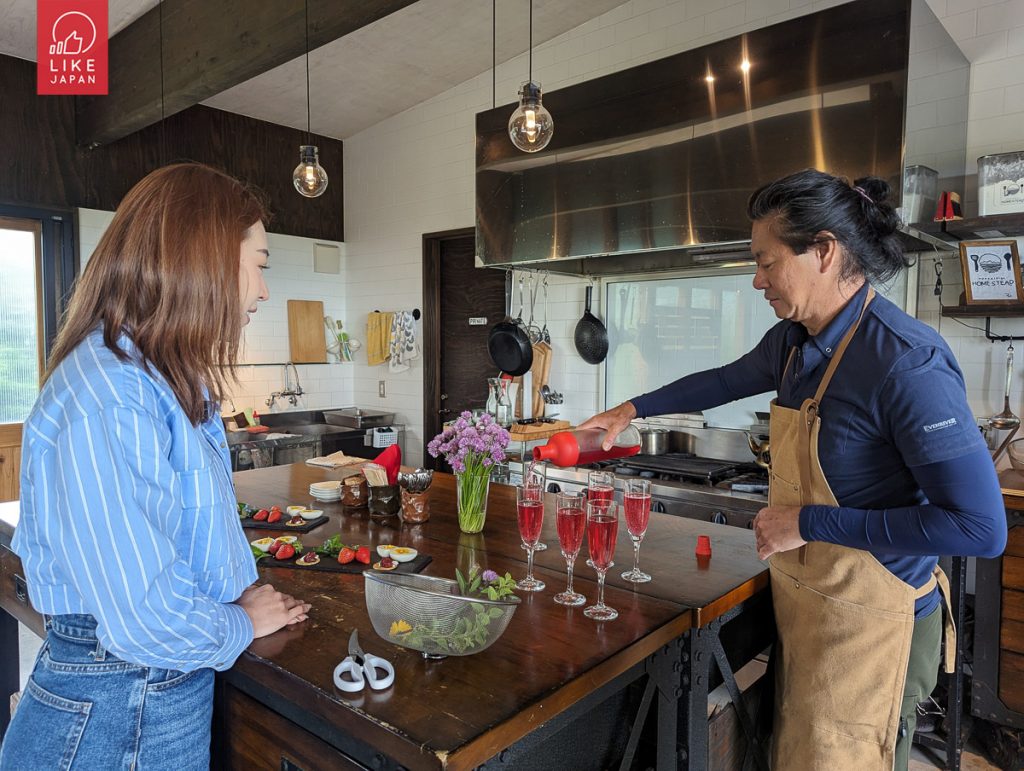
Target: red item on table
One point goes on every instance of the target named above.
(391, 461)
(703, 546)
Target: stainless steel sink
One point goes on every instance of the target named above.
(356, 417)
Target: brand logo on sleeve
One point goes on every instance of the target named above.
(71, 47)
(940, 425)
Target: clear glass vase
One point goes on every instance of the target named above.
(471, 498)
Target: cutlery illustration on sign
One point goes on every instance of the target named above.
(974, 259)
(1009, 258)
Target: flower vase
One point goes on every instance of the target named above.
(471, 499)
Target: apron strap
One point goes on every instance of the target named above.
(838, 355)
(949, 626)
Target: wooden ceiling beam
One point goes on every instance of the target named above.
(208, 48)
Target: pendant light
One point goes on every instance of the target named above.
(309, 176)
(531, 127)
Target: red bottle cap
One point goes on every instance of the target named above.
(703, 546)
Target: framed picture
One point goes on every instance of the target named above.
(991, 272)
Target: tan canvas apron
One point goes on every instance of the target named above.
(844, 621)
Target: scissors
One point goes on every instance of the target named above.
(362, 668)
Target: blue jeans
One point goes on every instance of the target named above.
(84, 708)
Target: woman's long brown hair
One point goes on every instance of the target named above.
(165, 273)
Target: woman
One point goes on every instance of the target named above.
(129, 534)
(877, 467)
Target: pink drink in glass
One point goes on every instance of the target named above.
(531, 519)
(637, 509)
(530, 515)
(602, 530)
(571, 522)
(636, 500)
(600, 486)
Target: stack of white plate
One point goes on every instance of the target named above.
(326, 491)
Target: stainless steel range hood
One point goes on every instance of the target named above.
(650, 168)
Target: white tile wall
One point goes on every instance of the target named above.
(413, 174)
(265, 339)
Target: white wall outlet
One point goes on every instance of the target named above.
(382, 391)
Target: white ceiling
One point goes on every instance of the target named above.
(371, 74)
(433, 45)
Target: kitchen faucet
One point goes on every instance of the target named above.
(289, 392)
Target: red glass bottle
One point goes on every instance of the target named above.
(583, 446)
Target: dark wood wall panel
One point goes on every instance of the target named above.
(44, 166)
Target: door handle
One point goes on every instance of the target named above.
(444, 396)
(443, 411)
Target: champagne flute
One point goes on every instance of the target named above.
(571, 520)
(636, 502)
(537, 475)
(600, 486)
(602, 530)
(530, 514)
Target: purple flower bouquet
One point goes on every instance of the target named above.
(471, 447)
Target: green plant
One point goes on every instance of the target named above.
(470, 628)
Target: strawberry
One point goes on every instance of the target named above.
(277, 544)
(287, 551)
(346, 555)
(363, 554)
(275, 515)
(261, 515)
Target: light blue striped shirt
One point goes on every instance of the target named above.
(128, 513)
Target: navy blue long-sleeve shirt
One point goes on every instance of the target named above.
(898, 443)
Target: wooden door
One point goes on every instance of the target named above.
(461, 303)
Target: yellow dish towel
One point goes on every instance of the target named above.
(378, 337)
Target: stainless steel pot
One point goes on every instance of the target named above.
(653, 441)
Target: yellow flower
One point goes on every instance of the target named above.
(399, 627)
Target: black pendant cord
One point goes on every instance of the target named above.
(163, 115)
(309, 134)
(531, 41)
(494, 53)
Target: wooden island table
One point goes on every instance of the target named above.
(556, 690)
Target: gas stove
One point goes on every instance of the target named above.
(723, 491)
(682, 467)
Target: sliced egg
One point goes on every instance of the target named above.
(263, 544)
(311, 513)
(293, 510)
(384, 549)
(403, 554)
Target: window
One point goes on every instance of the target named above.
(36, 268)
(21, 349)
(664, 328)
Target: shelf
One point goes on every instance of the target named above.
(976, 228)
(985, 311)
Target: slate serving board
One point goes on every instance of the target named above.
(331, 564)
(305, 528)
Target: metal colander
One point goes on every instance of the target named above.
(441, 622)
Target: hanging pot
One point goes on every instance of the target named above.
(591, 337)
(508, 344)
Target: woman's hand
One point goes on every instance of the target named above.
(270, 610)
(777, 528)
(613, 421)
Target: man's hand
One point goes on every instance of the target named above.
(613, 421)
(777, 529)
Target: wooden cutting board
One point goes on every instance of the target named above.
(537, 430)
(306, 340)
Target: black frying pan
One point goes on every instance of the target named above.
(508, 343)
(591, 337)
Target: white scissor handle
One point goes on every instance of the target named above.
(348, 665)
(370, 666)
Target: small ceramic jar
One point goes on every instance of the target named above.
(415, 507)
(354, 492)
